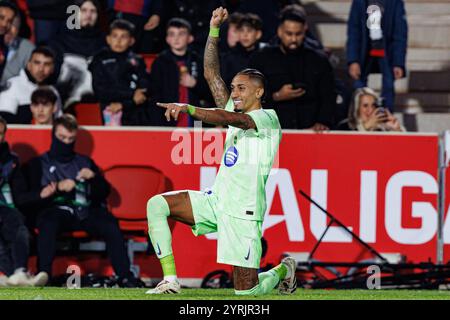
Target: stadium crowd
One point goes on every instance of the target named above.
(124, 56)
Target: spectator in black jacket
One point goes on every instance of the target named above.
(69, 193)
(120, 79)
(300, 81)
(49, 18)
(73, 49)
(14, 237)
(177, 74)
(237, 59)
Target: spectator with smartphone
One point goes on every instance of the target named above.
(365, 114)
(300, 81)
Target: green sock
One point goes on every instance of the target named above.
(168, 265)
(160, 235)
(267, 282)
(281, 270)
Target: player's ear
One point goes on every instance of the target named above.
(191, 39)
(259, 93)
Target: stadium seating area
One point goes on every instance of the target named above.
(425, 92)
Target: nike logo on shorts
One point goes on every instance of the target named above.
(248, 254)
(159, 249)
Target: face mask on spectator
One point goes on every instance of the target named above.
(61, 151)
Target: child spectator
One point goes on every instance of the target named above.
(119, 78)
(43, 106)
(232, 34)
(198, 13)
(145, 15)
(177, 73)
(237, 59)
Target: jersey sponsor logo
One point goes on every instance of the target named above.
(231, 157)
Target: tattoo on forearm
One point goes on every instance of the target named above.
(222, 117)
(212, 73)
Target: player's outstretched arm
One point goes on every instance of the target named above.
(211, 60)
(211, 116)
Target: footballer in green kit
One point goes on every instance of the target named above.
(236, 204)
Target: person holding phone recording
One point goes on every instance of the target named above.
(366, 115)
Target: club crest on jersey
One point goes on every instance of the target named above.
(231, 156)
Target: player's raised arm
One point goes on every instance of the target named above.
(211, 59)
(211, 116)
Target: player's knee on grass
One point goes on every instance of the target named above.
(245, 278)
(157, 207)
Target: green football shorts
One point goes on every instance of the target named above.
(238, 240)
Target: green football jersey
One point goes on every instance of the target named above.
(246, 164)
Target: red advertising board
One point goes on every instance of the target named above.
(383, 186)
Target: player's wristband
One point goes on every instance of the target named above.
(214, 32)
(190, 110)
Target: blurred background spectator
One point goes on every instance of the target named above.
(120, 80)
(145, 15)
(15, 100)
(49, 18)
(74, 48)
(177, 74)
(300, 81)
(14, 236)
(19, 52)
(377, 37)
(268, 11)
(8, 11)
(230, 35)
(365, 114)
(43, 106)
(198, 13)
(249, 31)
(71, 197)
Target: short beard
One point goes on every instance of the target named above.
(289, 50)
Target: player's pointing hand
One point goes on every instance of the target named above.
(172, 109)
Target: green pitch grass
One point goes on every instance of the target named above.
(215, 294)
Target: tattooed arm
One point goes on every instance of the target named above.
(211, 61)
(211, 116)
